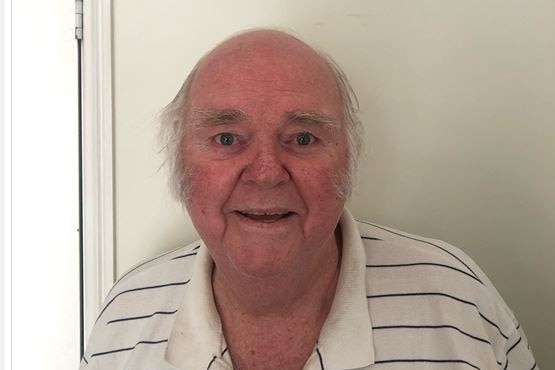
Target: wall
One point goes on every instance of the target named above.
(3, 191)
(458, 100)
(43, 328)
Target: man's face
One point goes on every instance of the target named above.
(264, 147)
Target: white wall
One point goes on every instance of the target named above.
(4, 199)
(44, 246)
(458, 100)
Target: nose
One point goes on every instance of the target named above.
(265, 167)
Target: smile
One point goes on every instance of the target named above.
(264, 216)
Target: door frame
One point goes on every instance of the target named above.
(97, 162)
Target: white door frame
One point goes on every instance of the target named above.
(98, 220)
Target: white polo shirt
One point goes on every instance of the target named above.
(401, 302)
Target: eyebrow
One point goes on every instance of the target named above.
(215, 117)
(311, 118)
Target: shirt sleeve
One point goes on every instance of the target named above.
(518, 355)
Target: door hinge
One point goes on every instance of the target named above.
(79, 19)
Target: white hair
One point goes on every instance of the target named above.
(172, 128)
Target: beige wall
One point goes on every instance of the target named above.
(458, 100)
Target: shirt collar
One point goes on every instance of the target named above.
(345, 339)
(196, 337)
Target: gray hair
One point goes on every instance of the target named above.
(172, 128)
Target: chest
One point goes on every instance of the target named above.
(281, 347)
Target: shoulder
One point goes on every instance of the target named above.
(433, 284)
(172, 264)
(157, 277)
(141, 307)
(386, 247)
(410, 247)
(427, 294)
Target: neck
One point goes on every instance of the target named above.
(264, 319)
(309, 288)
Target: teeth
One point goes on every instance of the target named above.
(265, 217)
(254, 213)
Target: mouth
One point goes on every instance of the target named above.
(267, 216)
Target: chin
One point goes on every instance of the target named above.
(262, 264)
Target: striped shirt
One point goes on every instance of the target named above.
(401, 302)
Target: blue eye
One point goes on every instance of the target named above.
(225, 139)
(304, 139)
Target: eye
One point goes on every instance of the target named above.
(225, 139)
(305, 138)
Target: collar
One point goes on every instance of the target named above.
(345, 341)
(196, 337)
(346, 337)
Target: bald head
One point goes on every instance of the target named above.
(261, 42)
(267, 46)
(246, 67)
(264, 60)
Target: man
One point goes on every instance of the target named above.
(262, 142)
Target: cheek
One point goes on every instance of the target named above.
(324, 180)
(209, 186)
(318, 186)
(322, 201)
(209, 189)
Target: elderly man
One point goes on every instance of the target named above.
(262, 143)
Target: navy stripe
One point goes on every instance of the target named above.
(493, 324)
(431, 327)
(138, 289)
(426, 264)
(144, 263)
(320, 358)
(421, 294)
(85, 359)
(514, 345)
(224, 351)
(211, 362)
(129, 348)
(369, 238)
(424, 241)
(509, 351)
(533, 367)
(142, 317)
(185, 255)
(441, 295)
(429, 360)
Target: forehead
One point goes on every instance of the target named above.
(265, 71)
